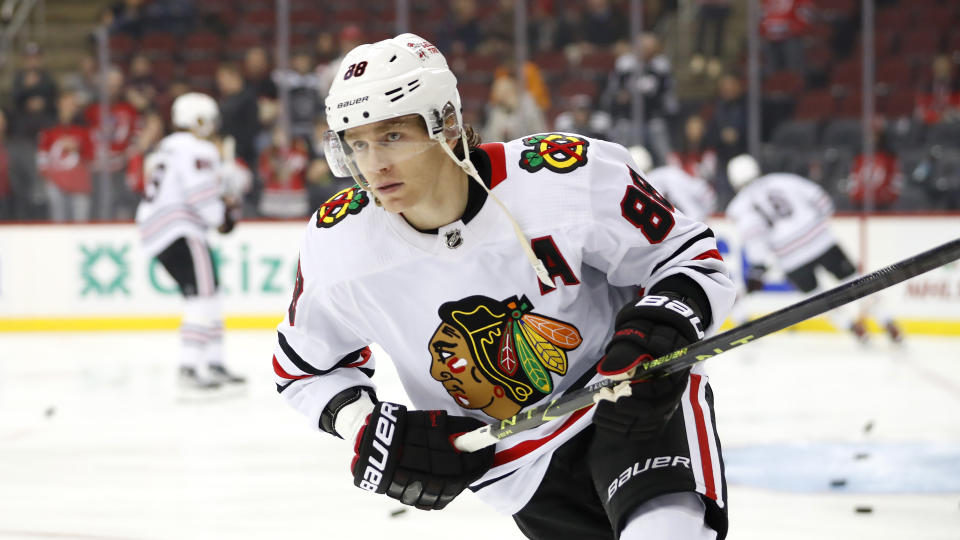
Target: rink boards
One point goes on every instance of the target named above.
(95, 277)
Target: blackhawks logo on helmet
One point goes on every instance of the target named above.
(344, 203)
(498, 355)
(556, 151)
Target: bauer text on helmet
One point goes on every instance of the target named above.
(741, 170)
(196, 112)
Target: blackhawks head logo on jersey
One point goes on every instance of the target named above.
(497, 356)
(557, 152)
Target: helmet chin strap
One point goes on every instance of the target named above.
(471, 171)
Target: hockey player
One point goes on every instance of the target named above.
(693, 196)
(499, 276)
(785, 218)
(184, 195)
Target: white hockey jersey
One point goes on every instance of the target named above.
(694, 197)
(784, 216)
(469, 327)
(181, 192)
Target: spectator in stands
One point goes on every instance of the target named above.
(536, 86)
(141, 85)
(139, 17)
(712, 18)
(655, 84)
(83, 82)
(112, 198)
(602, 24)
(939, 176)
(256, 67)
(324, 49)
(34, 101)
(693, 154)
(462, 34)
(497, 24)
(321, 183)
(282, 167)
(142, 94)
(6, 198)
(511, 113)
(941, 100)
(64, 157)
(570, 28)
(877, 181)
(783, 26)
(580, 117)
(303, 87)
(175, 16)
(655, 12)
(239, 116)
(350, 37)
(541, 27)
(727, 130)
(129, 17)
(33, 80)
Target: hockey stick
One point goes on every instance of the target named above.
(714, 345)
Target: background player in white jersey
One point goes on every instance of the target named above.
(693, 196)
(184, 195)
(485, 311)
(784, 219)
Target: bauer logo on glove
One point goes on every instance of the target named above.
(383, 438)
(409, 456)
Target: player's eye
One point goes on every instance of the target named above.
(393, 136)
(358, 146)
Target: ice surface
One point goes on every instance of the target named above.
(95, 443)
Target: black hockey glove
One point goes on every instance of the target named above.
(652, 327)
(755, 278)
(232, 211)
(409, 455)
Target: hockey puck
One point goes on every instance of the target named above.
(861, 455)
(398, 512)
(863, 509)
(868, 427)
(838, 482)
(51, 410)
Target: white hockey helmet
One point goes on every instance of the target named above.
(642, 156)
(391, 78)
(197, 112)
(741, 170)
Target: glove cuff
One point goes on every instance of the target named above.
(346, 412)
(351, 417)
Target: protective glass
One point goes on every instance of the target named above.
(364, 157)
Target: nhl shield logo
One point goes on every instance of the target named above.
(453, 238)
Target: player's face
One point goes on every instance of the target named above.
(397, 159)
(453, 364)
